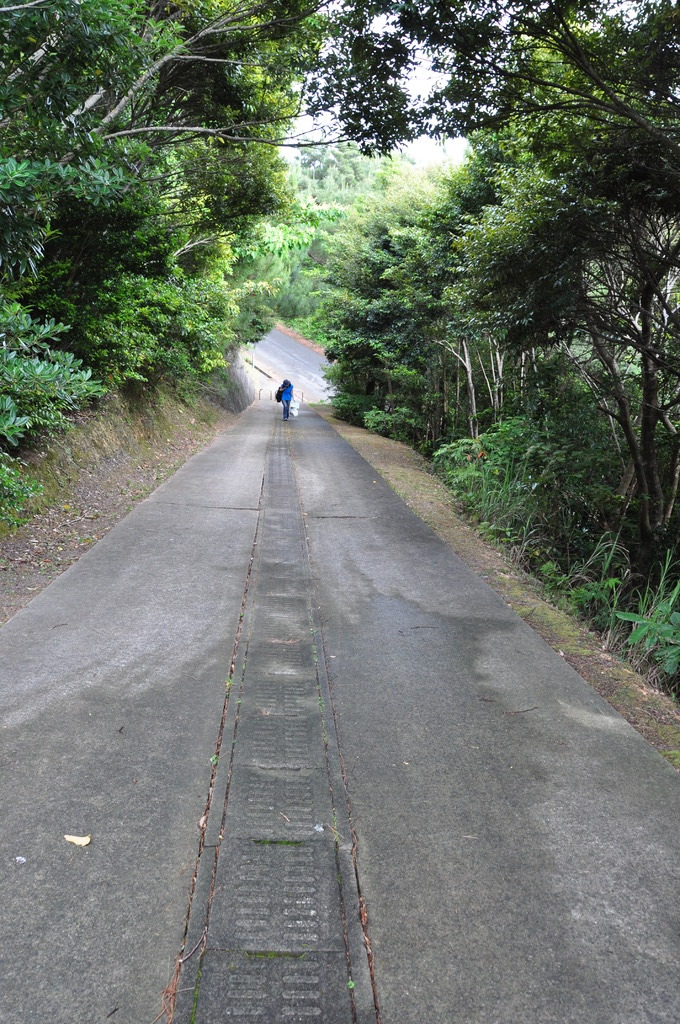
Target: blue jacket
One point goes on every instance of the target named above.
(287, 393)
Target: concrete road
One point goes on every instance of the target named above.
(282, 356)
(112, 690)
(504, 842)
(517, 841)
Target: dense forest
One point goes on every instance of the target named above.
(140, 177)
(515, 317)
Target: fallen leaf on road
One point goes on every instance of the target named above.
(79, 840)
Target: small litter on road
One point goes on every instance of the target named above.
(79, 840)
(20, 860)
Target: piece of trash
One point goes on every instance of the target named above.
(79, 840)
(318, 828)
(20, 860)
(202, 821)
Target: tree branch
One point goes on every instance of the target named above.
(23, 7)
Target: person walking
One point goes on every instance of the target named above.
(286, 397)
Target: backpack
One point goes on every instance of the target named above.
(278, 394)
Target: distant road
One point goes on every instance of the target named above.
(282, 356)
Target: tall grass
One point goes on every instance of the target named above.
(653, 639)
(643, 624)
(498, 496)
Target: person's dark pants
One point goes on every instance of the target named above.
(285, 402)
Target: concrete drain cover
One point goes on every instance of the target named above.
(271, 989)
(271, 803)
(279, 896)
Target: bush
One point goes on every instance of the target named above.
(509, 476)
(311, 328)
(401, 424)
(352, 408)
(15, 492)
(36, 393)
(151, 330)
(655, 635)
(38, 385)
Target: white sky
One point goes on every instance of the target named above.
(426, 151)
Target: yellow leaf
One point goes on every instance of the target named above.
(79, 840)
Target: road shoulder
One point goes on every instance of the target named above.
(653, 714)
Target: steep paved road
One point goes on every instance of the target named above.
(282, 356)
(323, 764)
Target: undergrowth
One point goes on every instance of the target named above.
(509, 489)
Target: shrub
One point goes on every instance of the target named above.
(509, 477)
(36, 393)
(352, 408)
(401, 424)
(38, 385)
(15, 491)
(153, 330)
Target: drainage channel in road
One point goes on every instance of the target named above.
(275, 928)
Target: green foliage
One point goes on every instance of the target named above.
(400, 423)
(20, 332)
(149, 330)
(508, 478)
(491, 476)
(656, 624)
(136, 168)
(612, 65)
(311, 327)
(90, 93)
(37, 393)
(339, 175)
(39, 386)
(16, 490)
(594, 587)
(13, 427)
(352, 408)
(334, 181)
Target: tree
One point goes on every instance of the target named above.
(89, 90)
(138, 156)
(493, 61)
(570, 261)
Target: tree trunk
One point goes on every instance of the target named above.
(646, 528)
(473, 425)
(462, 354)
